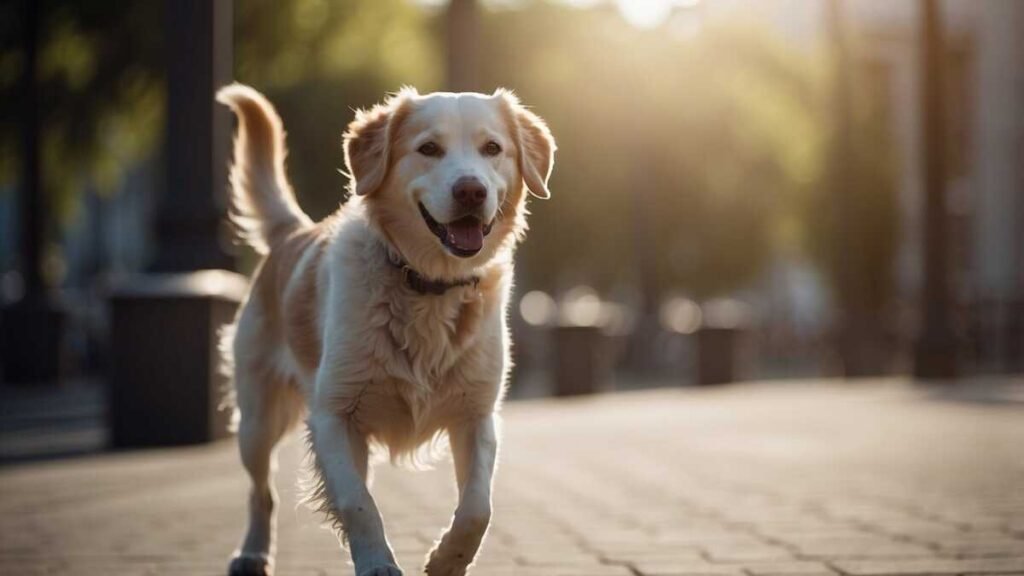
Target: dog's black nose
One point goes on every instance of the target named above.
(469, 192)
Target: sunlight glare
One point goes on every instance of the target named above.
(582, 306)
(537, 308)
(645, 13)
(651, 13)
(582, 4)
(681, 315)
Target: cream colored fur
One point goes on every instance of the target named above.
(331, 333)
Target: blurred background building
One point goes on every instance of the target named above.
(752, 166)
(985, 63)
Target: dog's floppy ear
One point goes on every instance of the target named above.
(368, 142)
(535, 143)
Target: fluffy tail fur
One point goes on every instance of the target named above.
(262, 206)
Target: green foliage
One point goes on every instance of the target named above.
(699, 155)
(102, 83)
(101, 93)
(318, 60)
(285, 44)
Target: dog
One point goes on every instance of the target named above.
(383, 326)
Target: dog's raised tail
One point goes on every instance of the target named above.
(262, 207)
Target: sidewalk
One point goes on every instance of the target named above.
(867, 478)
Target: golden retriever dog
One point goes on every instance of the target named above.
(384, 325)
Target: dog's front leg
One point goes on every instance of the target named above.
(474, 449)
(341, 453)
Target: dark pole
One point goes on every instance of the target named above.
(165, 385)
(32, 209)
(198, 137)
(640, 357)
(31, 326)
(935, 350)
(463, 24)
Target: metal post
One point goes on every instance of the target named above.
(935, 354)
(191, 211)
(32, 205)
(32, 326)
(165, 384)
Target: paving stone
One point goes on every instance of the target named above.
(747, 553)
(936, 566)
(860, 547)
(657, 568)
(788, 569)
(651, 554)
(753, 480)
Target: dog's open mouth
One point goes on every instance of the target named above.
(463, 237)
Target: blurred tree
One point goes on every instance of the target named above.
(318, 60)
(718, 133)
(101, 93)
(935, 350)
(462, 30)
(715, 133)
(852, 219)
(77, 86)
(103, 87)
(862, 274)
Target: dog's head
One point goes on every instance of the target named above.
(443, 175)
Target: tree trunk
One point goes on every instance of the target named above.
(463, 25)
(935, 354)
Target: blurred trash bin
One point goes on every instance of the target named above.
(582, 363)
(582, 359)
(32, 344)
(716, 355)
(166, 384)
(722, 342)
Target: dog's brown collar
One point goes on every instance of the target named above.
(423, 285)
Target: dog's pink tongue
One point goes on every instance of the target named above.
(466, 234)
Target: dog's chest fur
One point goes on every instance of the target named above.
(429, 333)
(402, 363)
(428, 354)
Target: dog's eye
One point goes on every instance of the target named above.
(492, 148)
(430, 149)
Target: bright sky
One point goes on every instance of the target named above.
(640, 13)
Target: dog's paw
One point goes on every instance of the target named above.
(439, 564)
(251, 565)
(389, 570)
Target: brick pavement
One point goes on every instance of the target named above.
(861, 479)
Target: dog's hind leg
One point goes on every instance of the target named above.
(268, 408)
